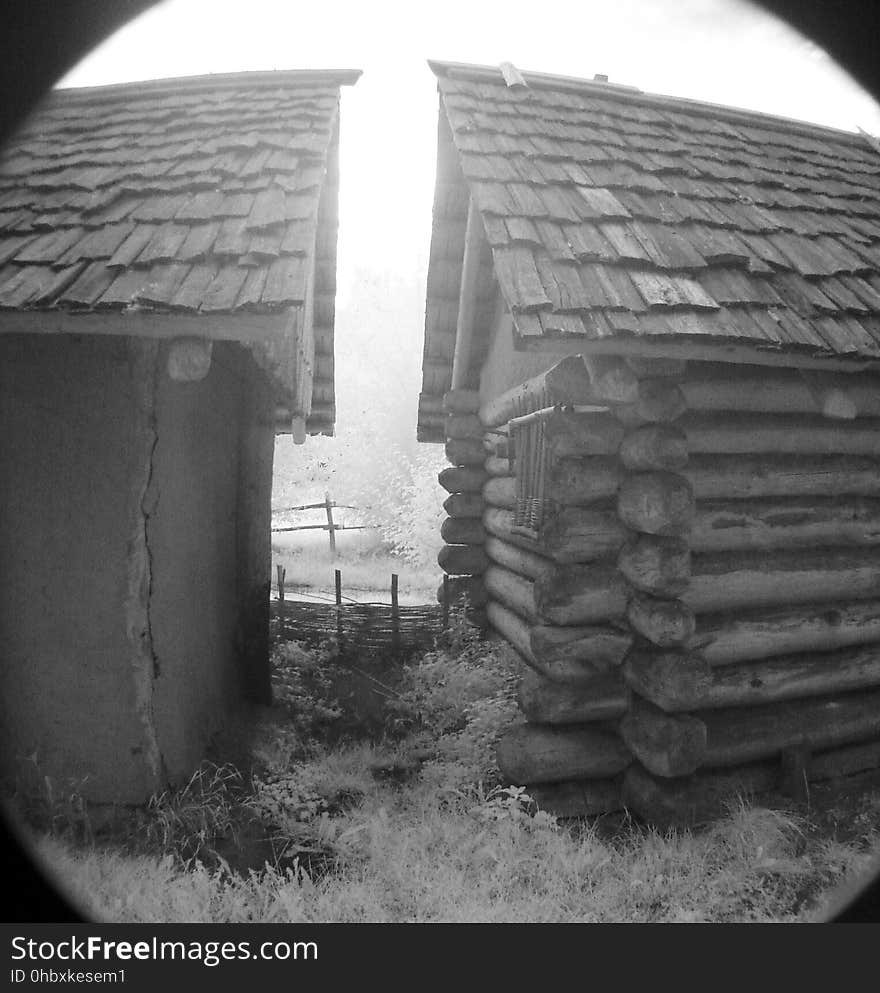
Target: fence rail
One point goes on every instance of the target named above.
(361, 628)
(331, 527)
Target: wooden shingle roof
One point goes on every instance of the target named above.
(201, 205)
(616, 218)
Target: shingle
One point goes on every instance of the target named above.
(560, 323)
(236, 205)
(298, 208)
(285, 282)
(556, 205)
(164, 244)
(599, 203)
(48, 247)
(191, 291)
(159, 208)
(553, 238)
(299, 238)
(133, 245)
(233, 238)
(671, 245)
(806, 256)
(562, 284)
(202, 206)
(526, 201)
(223, 291)
(620, 236)
(734, 286)
(198, 242)
(840, 294)
(264, 246)
(98, 244)
(10, 245)
(719, 246)
(518, 275)
(251, 291)
(521, 229)
(87, 289)
(764, 249)
(110, 212)
(662, 290)
(588, 244)
(162, 283)
(863, 290)
(618, 288)
(803, 297)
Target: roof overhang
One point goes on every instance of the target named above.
(208, 82)
(451, 198)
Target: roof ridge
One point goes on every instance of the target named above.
(540, 80)
(207, 81)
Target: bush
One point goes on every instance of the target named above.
(303, 686)
(463, 696)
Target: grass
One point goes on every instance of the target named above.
(414, 825)
(417, 855)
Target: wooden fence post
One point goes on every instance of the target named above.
(282, 573)
(331, 530)
(395, 616)
(445, 602)
(338, 577)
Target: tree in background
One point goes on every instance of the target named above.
(374, 462)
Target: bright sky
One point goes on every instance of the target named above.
(721, 51)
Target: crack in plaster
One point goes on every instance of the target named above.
(145, 665)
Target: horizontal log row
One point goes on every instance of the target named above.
(571, 656)
(679, 681)
(663, 500)
(569, 536)
(544, 701)
(673, 745)
(724, 639)
(534, 753)
(577, 434)
(583, 594)
(685, 768)
(750, 389)
(598, 381)
(579, 798)
(584, 534)
(699, 798)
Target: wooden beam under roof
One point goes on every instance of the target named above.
(467, 300)
(689, 349)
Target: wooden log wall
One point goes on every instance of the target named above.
(704, 588)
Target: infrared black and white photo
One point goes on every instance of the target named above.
(440, 458)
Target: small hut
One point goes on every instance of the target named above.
(651, 349)
(167, 278)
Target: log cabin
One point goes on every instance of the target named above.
(167, 284)
(651, 350)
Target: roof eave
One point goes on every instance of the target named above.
(540, 80)
(211, 81)
(696, 348)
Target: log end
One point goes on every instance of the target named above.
(665, 623)
(673, 681)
